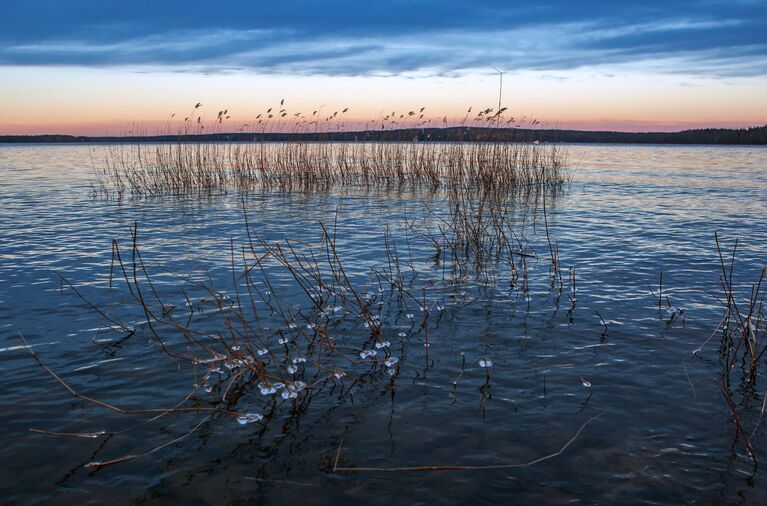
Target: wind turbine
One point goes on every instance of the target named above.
(500, 93)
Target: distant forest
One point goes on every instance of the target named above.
(753, 135)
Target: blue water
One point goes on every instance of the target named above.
(663, 432)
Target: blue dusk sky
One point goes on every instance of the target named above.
(86, 66)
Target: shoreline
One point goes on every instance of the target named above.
(754, 136)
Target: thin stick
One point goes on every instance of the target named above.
(99, 465)
(463, 467)
(338, 455)
(113, 407)
(660, 292)
(739, 425)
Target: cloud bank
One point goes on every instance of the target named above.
(399, 37)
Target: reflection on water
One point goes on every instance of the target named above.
(630, 213)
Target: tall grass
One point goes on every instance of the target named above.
(184, 167)
(197, 166)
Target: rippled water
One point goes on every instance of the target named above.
(664, 434)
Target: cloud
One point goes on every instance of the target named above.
(349, 38)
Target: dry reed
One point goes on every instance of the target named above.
(192, 165)
(202, 167)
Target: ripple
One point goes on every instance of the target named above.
(497, 380)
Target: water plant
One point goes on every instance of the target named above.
(263, 348)
(193, 165)
(742, 346)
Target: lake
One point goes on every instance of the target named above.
(598, 400)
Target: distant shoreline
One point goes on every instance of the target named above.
(707, 136)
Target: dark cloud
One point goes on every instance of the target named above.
(352, 38)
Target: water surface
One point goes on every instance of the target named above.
(663, 434)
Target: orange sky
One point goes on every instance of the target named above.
(92, 101)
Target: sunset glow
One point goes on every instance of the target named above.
(105, 71)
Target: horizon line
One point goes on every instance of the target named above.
(403, 129)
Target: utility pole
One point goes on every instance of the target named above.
(500, 95)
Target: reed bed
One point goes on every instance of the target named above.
(192, 165)
(296, 166)
(261, 347)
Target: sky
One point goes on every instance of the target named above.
(93, 67)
